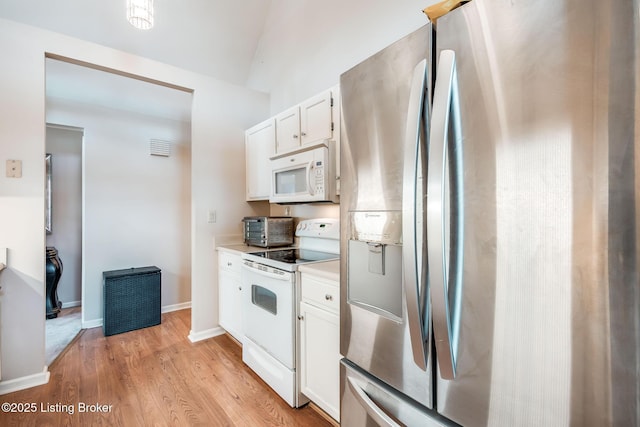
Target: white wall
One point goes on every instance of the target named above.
(137, 206)
(220, 113)
(305, 48)
(65, 147)
(307, 44)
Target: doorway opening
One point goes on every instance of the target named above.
(64, 145)
(136, 202)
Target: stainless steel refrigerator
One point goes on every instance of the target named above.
(489, 270)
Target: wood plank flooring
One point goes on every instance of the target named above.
(153, 377)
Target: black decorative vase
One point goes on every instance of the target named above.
(54, 271)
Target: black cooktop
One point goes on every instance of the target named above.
(296, 256)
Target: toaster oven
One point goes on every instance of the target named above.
(268, 231)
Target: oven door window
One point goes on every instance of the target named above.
(265, 299)
(291, 181)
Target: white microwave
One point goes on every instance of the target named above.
(305, 176)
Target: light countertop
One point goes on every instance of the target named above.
(329, 269)
(239, 248)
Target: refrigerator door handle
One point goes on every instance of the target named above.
(375, 412)
(445, 215)
(411, 276)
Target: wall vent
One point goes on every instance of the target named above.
(158, 147)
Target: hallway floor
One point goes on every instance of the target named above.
(60, 331)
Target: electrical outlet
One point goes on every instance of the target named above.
(287, 211)
(14, 168)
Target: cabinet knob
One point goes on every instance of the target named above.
(300, 317)
(295, 136)
(304, 134)
(239, 288)
(229, 264)
(328, 297)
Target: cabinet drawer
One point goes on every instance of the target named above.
(320, 292)
(229, 261)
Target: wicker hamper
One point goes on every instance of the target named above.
(131, 299)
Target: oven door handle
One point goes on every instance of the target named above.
(271, 273)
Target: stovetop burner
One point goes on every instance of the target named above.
(295, 256)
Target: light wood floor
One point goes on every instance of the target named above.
(154, 377)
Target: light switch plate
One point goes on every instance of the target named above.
(212, 217)
(14, 168)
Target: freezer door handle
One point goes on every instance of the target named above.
(411, 276)
(445, 214)
(373, 410)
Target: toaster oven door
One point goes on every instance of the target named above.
(254, 231)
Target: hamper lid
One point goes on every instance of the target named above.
(130, 271)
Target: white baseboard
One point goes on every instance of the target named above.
(176, 307)
(9, 386)
(97, 323)
(203, 335)
(71, 304)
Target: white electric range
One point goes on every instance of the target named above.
(271, 303)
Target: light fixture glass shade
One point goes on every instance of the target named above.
(140, 13)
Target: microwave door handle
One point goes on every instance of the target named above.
(310, 177)
(445, 213)
(411, 276)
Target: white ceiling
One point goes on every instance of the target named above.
(217, 38)
(212, 37)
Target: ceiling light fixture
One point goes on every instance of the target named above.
(140, 13)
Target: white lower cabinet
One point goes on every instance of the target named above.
(230, 293)
(320, 343)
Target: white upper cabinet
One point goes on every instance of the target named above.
(316, 119)
(259, 146)
(288, 130)
(308, 123)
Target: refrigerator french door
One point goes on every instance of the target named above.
(383, 324)
(529, 303)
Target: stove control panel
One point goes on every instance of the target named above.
(327, 228)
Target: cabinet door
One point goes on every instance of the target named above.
(230, 294)
(320, 357)
(226, 286)
(316, 118)
(288, 130)
(259, 146)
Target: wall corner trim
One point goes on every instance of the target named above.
(203, 335)
(176, 307)
(9, 386)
